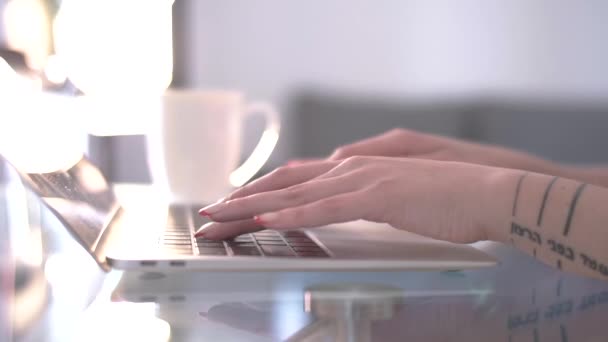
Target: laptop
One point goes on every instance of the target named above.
(153, 236)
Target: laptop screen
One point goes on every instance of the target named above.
(80, 197)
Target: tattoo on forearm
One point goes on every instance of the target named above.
(594, 265)
(562, 249)
(517, 190)
(545, 197)
(575, 198)
(559, 248)
(531, 235)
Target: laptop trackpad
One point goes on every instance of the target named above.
(368, 240)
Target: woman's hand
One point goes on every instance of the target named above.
(450, 201)
(406, 143)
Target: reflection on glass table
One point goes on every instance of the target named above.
(520, 300)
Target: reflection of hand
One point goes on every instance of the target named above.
(406, 143)
(405, 193)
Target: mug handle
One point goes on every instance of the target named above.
(265, 145)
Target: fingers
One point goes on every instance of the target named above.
(247, 207)
(284, 177)
(386, 144)
(222, 231)
(297, 162)
(336, 209)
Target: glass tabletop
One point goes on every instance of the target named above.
(51, 290)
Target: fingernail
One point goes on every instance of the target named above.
(212, 209)
(199, 234)
(203, 231)
(265, 219)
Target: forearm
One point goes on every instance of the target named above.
(559, 221)
(597, 175)
(502, 157)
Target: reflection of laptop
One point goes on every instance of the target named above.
(150, 237)
(244, 306)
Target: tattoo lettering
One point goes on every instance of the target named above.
(593, 300)
(594, 265)
(559, 309)
(545, 197)
(528, 318)
(577, 195)
(561, 249)
(517, 190)
(526, 232)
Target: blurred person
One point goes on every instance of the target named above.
(437, 187)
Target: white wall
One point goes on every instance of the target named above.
(403, 46)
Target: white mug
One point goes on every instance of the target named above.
(194, 144)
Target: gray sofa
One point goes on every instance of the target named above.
(559, 130)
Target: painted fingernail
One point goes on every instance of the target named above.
(203, 231)
(265, 219)
(212, 209)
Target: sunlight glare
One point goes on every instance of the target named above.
(116, 46)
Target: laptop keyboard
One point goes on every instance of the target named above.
(177, 238)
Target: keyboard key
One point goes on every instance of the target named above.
(265, 233)
(307, 249)
(176, 246)
(303, 244)
(243, 251)
(294, 233)
(176, 243)
(210, 244)
(297, 239)
(277, 251)
(241, 244)
(200, 239)
(243, 238)
(275, 243)
(176, 233)
(212, 251)
(269, 238)
(176, 238)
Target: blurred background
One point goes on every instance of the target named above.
(527, 74)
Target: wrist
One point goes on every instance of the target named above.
(499, 189)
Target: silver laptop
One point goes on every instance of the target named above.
(122, 238)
